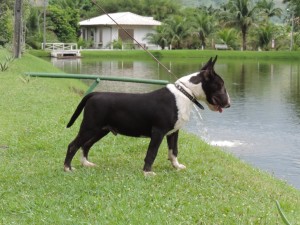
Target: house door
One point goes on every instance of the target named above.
(124, 37)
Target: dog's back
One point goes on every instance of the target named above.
(126, 113)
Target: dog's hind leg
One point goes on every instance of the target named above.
(86, 147)
(73, 147)
(172, 140)
(156, 139)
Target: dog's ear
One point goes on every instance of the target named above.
(206, 72)
(207, 64)
(214, 61)
(210, 64)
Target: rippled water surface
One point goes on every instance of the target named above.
(262, 127)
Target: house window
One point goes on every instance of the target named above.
(100, 35)
(92, 34)
(124, 36)
(83, 33)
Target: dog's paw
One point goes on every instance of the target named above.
(86, 163)
(180, 166)
(149, 173)
(68, 169)
(176, 164)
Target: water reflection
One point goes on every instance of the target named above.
(262, 126)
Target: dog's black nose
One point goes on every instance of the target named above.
(227, 106)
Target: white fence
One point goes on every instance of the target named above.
(59, 46)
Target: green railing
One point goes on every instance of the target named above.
(96, 78)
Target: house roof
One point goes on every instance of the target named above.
(122, 18)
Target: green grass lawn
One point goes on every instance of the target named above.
(216, 188)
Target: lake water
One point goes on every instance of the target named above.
(262, 126)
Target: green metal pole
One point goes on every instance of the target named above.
(94, 77)
(92, 87)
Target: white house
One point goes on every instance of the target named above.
(102, 30)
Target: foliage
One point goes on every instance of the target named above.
(64, 23)
(229, 36)
(241, 14)
(6, 24)
(159, 9)
(117, 44)
(158, 37)
(293, 4)
(84, 44)
(203, 24)
(84, 6)
(269, 9)
(176, 30)
(265, 35)
(33, 30)
(4, 65)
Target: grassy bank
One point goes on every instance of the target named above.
(216, 188)
(178, 54)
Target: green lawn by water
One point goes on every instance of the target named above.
(216, 188)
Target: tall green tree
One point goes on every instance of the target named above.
(265, 34)
(241, 14)
(203, 24)
(175, 30)
(269, 8)
(84, 6)
(159, 9)
(6, 24)
(64, 23)
(158, 38)
(228, 36)
(293, 4)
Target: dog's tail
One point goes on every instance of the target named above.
(79, 108)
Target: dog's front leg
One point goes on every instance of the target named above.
(156, 139)
(173, 150)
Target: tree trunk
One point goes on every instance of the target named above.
(244, 34)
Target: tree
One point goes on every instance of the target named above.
(229, 37)
(269, 9)
(203, 24)
(160, 9)
(293, 4)
(241, 14)
(158, 38)
(175, 30)
(84, 6)
(64, 23)
(265, 34)
(6, 24)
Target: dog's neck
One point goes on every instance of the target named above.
(188, 95)
(193, 89)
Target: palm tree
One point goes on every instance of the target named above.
(228, 36)
(268, 7)
(172, 33)
(175, 30)
(241, 14)
(265, 34)
(203, 24)
(158, 38)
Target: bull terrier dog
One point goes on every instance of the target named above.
(155, 115)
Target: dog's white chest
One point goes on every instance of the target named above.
(184, 106)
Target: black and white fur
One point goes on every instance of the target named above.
(155, 115)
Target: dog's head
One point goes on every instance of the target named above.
(208, 86)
